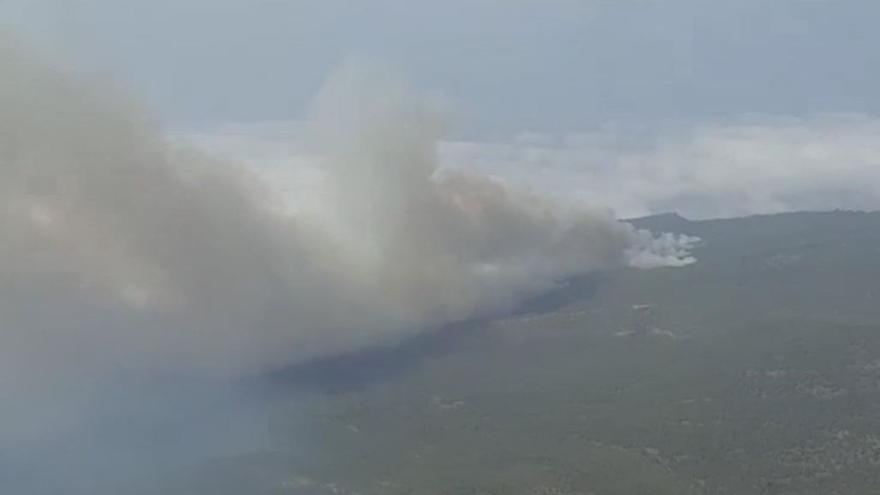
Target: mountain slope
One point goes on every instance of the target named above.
(759, 374)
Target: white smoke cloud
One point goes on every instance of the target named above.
(121, 250)
(127, 257)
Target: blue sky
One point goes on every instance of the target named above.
(507, 65)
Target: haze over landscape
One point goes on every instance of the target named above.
(317, 247)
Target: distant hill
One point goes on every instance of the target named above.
(664, 222)
(831, 222)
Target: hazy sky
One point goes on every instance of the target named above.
(507, 65)
(706, 107)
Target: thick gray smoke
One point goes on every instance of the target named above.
(121, 254)
(119, 249)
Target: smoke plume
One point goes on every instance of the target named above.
(122, 254)
(121, 249)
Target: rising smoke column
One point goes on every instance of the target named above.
(125, 257)
(120, 251)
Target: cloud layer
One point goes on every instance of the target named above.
(751, 166)
(756, 166)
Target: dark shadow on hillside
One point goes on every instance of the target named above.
(356, 370)
(578, 288)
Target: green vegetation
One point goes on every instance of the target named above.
(761, 376)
